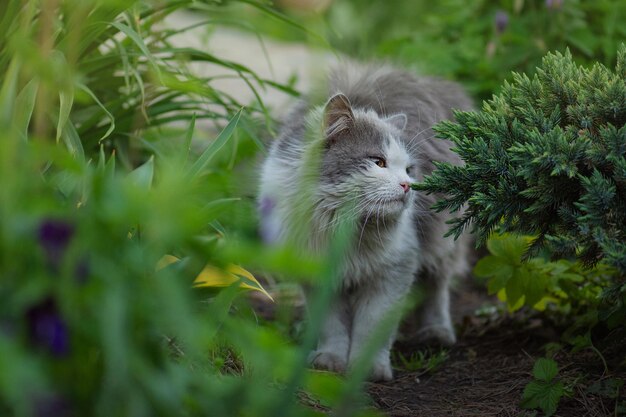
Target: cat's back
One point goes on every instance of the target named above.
(389, 90)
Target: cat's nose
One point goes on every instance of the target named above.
(405, 186)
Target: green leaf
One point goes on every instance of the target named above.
(107, 112)
(215, 146)
(515, 287)
(134, 36)
(509, 246)
(534, 285)
(545, 369)
(189, 137)
(543, 395)
(143, 175)
(66, 100)
(72, 141)
(24, 105)
(491, 266)
(498, 269)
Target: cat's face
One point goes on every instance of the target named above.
(365, 162)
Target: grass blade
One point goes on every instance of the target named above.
(99, 103)
(66, 100)
(215, 146)
(142, 176)
(24, 105)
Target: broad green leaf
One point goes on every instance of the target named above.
(215, 146)
(143, 175)
(509, 246)
(515, 287)
(531, 393)
(498, 282)
(545, 369)
(491, 266)
(543, 395)
(549, 401)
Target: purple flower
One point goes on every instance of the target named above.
(47, 329)
(501, 21)
(54, 236)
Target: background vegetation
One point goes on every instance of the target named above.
(104, 172)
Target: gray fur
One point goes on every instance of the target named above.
(325, 160)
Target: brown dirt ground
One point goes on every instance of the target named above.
(487, 370)
(485, 373)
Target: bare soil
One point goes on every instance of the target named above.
(487, 370)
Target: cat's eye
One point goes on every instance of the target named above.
(379, 161)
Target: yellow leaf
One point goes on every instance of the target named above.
(211, 276)
(165, 261)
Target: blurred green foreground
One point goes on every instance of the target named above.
(103, 171)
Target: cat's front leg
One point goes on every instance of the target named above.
(435, 321)
(334, 341)
(370, 309)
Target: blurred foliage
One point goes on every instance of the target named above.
(479, 42)
(103, 172)
(539, 282)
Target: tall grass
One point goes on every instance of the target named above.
(97, 183)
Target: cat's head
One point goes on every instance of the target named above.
(364, 161)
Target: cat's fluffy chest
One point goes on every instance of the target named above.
(380, 249)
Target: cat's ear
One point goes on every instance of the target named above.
(338, 116)
(397, 120)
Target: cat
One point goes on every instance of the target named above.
(362, 150)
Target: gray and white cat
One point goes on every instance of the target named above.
(362, 150)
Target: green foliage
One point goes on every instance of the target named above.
(422, 361)
(544, 391)
(546, 157)
(108, 71)
(99, 179)
(538, 282)
(480, 42)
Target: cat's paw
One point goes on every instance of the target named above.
(381, 371)
(327, 361)
(436, 335)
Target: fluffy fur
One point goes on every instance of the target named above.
(355, 157)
